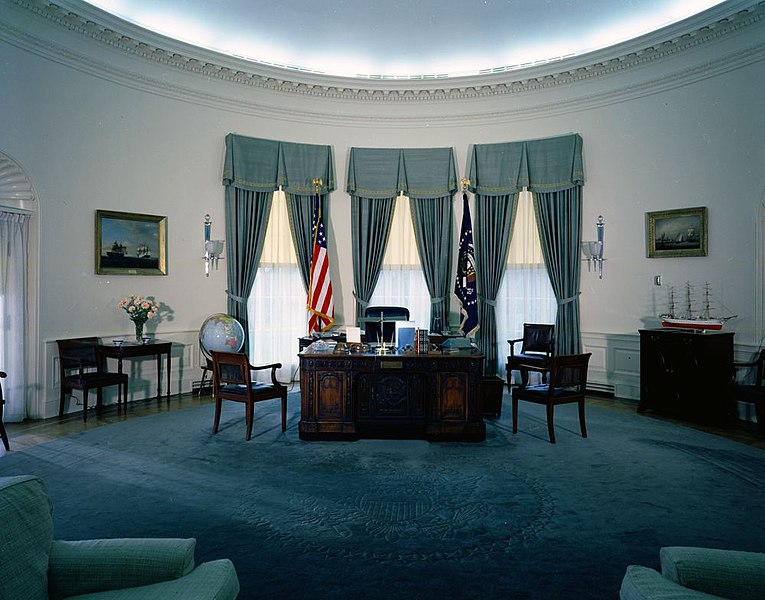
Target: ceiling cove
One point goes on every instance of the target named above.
(135, 41)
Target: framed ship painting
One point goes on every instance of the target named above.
(130, 244)
(676, 233)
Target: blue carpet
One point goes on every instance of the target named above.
(512, 517)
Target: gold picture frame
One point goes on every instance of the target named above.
(130, 243)
(676, 233)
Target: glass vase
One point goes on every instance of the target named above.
(138, 330)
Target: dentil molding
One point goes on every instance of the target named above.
(145, 45)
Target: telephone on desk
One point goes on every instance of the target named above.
(330, 334)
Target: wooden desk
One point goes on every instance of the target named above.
(433, 396)
(135, 350)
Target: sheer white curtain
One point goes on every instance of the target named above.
(14, 239)
(276, 307)
(401, 281)
(525, 295)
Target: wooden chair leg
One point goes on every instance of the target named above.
(759, 411)
(550, 426)
(216, 422)
(582, 424)
(249, 412)
(515, 414)
(202, 382)
(62, 401)
(284, 413)
(3, 433)
(84, 404)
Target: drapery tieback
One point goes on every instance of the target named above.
(486, 300)
(437, 300)
(363, 303)
(568, 300)
(236, 298)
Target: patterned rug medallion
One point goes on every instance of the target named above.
(511, 517)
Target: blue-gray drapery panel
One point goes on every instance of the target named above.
(546, 165)
(263, 165)
(559, 216)
(418, 172)
(494, 217)
(300, 213)
(432, 220)
(253, 169)
(370, 228)
(375, 178)
(247, 214)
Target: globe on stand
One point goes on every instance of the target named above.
(222, 333)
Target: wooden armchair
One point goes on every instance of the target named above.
(82, 367)
(754, 392)
(3, 433)
(568, 383)
(537, 349)
(232, 380)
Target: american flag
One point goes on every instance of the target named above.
(321, 307)
(465, 284)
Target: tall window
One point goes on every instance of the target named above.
(277, 305)
(525, 295)
(14, 240)
(401, 281)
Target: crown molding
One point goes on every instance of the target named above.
(246, 75)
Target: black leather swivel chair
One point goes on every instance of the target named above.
(537, 349)
(389, 314)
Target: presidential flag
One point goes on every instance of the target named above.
(464, 286)
(321, 308)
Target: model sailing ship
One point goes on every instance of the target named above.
(702, 321)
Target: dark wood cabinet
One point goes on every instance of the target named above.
(432, 396)
(687, 374)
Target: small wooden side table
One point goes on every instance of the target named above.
(136, 350)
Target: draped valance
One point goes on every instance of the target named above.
(263, 165)
(418, 172)
(546, 165)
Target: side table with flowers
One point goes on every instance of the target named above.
(139, 309)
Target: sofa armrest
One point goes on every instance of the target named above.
(642, 583)
(214, 580)
(726, 573)
(98, 565)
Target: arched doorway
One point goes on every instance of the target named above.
(18, 289)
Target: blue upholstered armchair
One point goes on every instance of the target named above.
(703, 573)
(34, 566)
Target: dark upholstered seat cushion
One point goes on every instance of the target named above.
(541, 390)
(241, 389)
(531, 360)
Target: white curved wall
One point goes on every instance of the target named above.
(97, 128)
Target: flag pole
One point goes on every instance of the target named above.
(320, 303)
(465, 287)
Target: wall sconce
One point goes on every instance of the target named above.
(593, 251)
(213, 248)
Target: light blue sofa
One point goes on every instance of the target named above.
(698, 573)
(33, 566)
